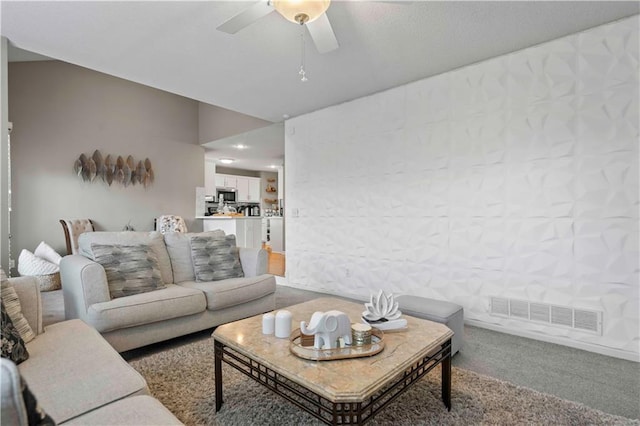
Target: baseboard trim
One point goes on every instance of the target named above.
(282, 281)
(616, 353)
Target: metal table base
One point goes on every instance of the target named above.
(332, 412)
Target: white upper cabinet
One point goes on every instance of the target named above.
(248, 189)
(226, 181)
(242, 187)
(254, 189)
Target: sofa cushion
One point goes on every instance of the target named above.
(234, 291)
(35, 414)
(141, 410)
(73, 370)
(152, 239)
(13, 347)
(14, 309)
(215, 258)
(131, 269)
(179, 249)
(160, 305)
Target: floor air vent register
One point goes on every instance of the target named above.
(579, 319)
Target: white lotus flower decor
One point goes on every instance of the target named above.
(382, 307)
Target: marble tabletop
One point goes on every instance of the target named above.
(346, 380)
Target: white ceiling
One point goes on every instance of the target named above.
(265, 149)
(174, 46)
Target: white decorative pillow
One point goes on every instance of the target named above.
(46, 252)
(30, 264)
(14, 310)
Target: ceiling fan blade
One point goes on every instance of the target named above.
(247, 17)
(322, 34)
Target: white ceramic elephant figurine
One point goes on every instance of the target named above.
(328, 327)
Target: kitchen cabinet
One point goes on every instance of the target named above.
(226, 181)
(254, 189)
(248, 189)
(242, 185)
(273, 233)
(276, 233)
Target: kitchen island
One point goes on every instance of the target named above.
(247, 229)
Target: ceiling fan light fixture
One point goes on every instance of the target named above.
(301, 11)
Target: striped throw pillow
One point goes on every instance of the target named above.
(130, 269)
(215, 258)
(14, 310)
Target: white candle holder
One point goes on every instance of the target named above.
(283, 324)
(268, 323)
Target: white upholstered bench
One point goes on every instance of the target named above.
(447, 313)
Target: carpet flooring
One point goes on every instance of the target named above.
(600, 382)
(182, 379)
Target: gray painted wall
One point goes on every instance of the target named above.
(59, 111)
(217, 123)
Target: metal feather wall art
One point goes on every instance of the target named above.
(120, 171)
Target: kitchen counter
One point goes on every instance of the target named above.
(247, 229)
(226, 217)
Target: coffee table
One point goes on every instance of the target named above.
(347, 391)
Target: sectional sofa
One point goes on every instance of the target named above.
(75, 375)
(184, 305)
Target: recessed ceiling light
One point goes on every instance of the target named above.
(227, 160)
(273, 166)
(240, 146)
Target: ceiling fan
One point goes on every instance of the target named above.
(310, 13)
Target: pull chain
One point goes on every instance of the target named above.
(302, 73)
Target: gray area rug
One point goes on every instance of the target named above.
(182, 379)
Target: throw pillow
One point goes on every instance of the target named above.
(152, 239)
(14, 310)
(29, 264)
(215, 258)
(130, 269)
(179, 248)
(46, 252)
(13, 347)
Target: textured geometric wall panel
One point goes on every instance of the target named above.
(516, 177)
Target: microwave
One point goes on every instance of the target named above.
(228, 195)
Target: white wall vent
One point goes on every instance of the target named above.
(563, 316)
(499, 306)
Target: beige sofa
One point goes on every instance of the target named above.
(184, 306)
(75, 375)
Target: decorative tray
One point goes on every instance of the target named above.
(344, 352)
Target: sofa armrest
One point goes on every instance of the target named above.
(84, 283)
(28, 292)
(13, 410)
(254, 261)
